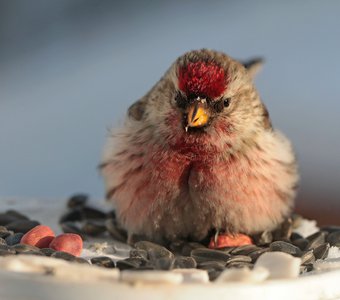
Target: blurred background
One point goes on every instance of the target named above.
(70, 69)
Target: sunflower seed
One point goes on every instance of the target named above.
(139, 253)
(90, 213)
(176, 246)
(63, 255)
(7, 249)
(22, 225)
(334, 238)
(155, 251)
(31, 253)
(184, 262)
(282, 246)
(316, 239)
(213, 274)
(47, 251)
(239, 258)
(93, 228)
(331, 228)
(257, 253)
(129, 263)
(81, 260)
(212, 264)
(295, 236)
(240, 264)
(115, 231)
(20, 248)
(70, 227)
(16, 214)
(188, 247)
(6, 219)
(5, 253)
(103, 261)
(164, 263)
(77, 200)
(307, 257)
(14, 239)
(321, 251)
(71, 216)
(205, 254)
(244, 250)
(301, 243)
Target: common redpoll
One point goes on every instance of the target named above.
(198, 153)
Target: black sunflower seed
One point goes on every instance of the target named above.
(307, 257)
(47, 251)
(155, 251)
(129, 263)
(244, 250)
(63, 255)
(316, 239)
(93, 228)
(334, 238)
(77, 200)
(115, 231)
(71, 216)
(139, 253)
(205, 254)
(188, 247)
(285, 247)
(321, 251)
(22, 225)
(103, 261)
(184, 262)
(164, 263)
(90, 213)
(257, 253)
(16, 214)
(20, 248)
(301, 243)
(5, 248)
(14, 239)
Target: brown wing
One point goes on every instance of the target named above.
(136, 110)
(253, 65)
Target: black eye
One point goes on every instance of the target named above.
(226, 102)
(218, 106)
(181, 100)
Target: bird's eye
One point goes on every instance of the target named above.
(181, 100)
(226, 102)
(218, 106)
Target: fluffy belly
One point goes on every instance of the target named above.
(177, 196)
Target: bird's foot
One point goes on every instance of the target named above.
(221, 240)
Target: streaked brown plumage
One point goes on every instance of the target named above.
(198, 152)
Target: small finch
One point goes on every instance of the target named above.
(198, 153)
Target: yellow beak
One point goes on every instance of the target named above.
(197, 115)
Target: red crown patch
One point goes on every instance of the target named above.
(202, 79)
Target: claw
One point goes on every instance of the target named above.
(216, 236)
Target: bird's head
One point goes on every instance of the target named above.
(206, 97)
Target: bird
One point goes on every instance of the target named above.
(199, 154)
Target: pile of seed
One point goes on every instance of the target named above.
(88, 221)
